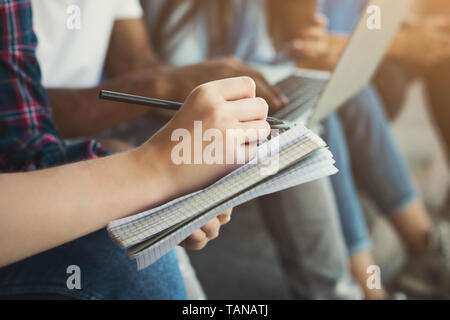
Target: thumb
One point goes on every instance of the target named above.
(321, 19)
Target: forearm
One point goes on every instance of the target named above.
(80, 113)
(46, 208)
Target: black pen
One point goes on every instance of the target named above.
(169, 105)
(145, 101)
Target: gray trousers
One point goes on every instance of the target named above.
(303, 222)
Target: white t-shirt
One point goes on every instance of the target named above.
(72, 57)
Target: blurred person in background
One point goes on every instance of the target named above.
(317, 49)
(188, 32)
(420, 50)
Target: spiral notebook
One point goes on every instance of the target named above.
(292, 158)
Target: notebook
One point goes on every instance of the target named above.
(291, 158)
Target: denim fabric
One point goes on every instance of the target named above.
(351, 215)
(106, 273)
(378, 165)
(362, 127)
(342, 15)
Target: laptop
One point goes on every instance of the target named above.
(314, 95)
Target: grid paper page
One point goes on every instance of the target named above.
(289, 177)
(134, 233)
(283, 141)
(313, 168)
(166, 218)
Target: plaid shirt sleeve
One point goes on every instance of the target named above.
(28, 137)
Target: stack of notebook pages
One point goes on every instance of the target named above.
(294, 157)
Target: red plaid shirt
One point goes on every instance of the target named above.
(28, 137)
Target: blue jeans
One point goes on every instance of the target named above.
(362, 142)
(351, 215)
(106, 273)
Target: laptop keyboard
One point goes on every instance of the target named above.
(302, 92)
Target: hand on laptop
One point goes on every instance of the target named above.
(328, 61)
(184, 79)
(311, 42)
